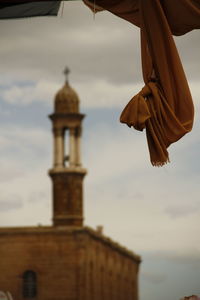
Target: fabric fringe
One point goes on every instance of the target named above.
(159, 164)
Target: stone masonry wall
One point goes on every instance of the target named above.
(50, 254)
(70, 264)
(110, 274)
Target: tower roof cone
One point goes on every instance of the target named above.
(66, 99)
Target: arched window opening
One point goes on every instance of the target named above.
(29, 284)
(66, 144)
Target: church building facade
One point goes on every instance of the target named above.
(66, 261)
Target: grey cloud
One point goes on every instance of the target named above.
(38, 196)
(188, 47)
(183, 256)
(23, 149)
(138, 196)
(193, 259)
(24, 93)
(10, 202)
(106, 47)
(10, 169)
(181, 211)
(153, 277)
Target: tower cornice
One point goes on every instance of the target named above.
(70, 170)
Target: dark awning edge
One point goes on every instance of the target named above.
(23, 9)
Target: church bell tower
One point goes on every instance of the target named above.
(67, 173)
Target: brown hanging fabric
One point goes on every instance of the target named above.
(164, 106)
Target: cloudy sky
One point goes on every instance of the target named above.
(153, 211)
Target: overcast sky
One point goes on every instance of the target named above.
(152, 211)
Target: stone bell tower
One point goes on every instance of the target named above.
(67, 173)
